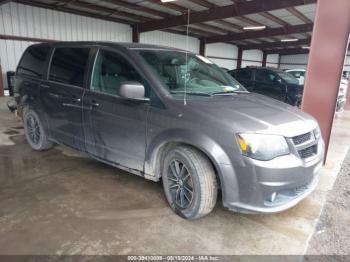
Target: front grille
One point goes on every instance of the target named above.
(305, 145)
(297, 140)
(308, 152)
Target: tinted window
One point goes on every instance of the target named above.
(290, 79)
(110, 71)
(264, 76)
(32, 63)
(296, 74)
(68, 65)
(244, 74)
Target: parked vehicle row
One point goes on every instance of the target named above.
(271, 82)
(166, 114)
(341, 101)
(286, 86)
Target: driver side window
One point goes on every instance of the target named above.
(110, 71)
(265, 76)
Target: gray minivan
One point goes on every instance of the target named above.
(166, 114)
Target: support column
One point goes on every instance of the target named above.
(264, 59)
(279, 60)
(202, 47)
(239, 57)
(1, 83)
(135, 34)
(328, 47)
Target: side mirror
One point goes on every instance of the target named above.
(133, 90)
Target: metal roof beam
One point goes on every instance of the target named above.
(288, 51)
(299, 15)
(2, 2)
(74, 11)
(270, 45)
(260, 34)
(221, 12)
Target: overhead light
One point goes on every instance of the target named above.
(305, 47)
(258, 27)
(289, 40)
(164, 1)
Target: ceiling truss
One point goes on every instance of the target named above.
(209, 22)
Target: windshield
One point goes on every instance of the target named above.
(199, 76)
(289, 78)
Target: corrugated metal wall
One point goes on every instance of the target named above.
(272, 60)
(252, 58)
(224, 55)
(169, 39)
(294, 61)
(300, 61)
(22, 20)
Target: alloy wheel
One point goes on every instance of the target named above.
(33, 129)
(180, 184)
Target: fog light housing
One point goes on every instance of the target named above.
(273, 197)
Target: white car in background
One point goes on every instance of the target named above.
(300, 75)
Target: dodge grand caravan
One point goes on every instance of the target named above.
(168, 115)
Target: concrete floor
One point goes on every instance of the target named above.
(60, 202)
(332, 236)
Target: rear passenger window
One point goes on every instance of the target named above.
(68, 65)
(32, 62)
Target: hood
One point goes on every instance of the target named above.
(250, 112)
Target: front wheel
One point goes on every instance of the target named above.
(189, 182)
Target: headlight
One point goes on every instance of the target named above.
(262, 147)
(317, 133)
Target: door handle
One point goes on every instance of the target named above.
(75, 99)
(94, 103)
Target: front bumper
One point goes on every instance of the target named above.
(276, 185)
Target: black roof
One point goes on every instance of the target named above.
(109, 44)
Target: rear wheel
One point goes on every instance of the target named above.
(34, 131)
(189, 182)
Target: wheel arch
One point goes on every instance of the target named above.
(220, 161)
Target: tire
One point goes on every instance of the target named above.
(34, 131)
(186, 169)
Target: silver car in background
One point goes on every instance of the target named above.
(343, 87)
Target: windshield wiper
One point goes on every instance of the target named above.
(191, 93)
(223, 93)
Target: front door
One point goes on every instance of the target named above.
(62, 95)
(269, 84)
(115, 127)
